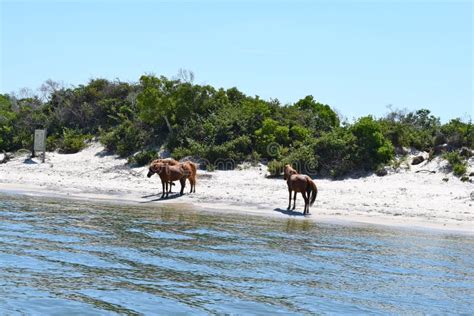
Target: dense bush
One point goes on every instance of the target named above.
(371, 147)
(303, 159)
(458, 133)
(334, 152)
(7, 117)
(221, 127)
(270, 136)
(275, 168)
(456, 162)
(72, 142)
(53, 142)
(125, 139)
(142, 158)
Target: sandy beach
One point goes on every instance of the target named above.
(410, 196)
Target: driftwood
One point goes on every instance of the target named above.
(428, 171)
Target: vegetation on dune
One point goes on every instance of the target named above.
(456, 163)
(221, 127)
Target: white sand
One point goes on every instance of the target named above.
(403, 198)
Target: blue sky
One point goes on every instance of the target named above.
(356, 56)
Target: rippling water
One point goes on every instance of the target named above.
(67, 257)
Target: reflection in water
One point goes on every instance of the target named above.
(71, 256)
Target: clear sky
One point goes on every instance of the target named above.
(357, 56)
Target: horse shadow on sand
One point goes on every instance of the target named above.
(171, 196)
(289, 212)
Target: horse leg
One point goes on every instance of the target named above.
(167, 190)
(294, 200)
(191, 184)
(170, 186)
(163, 188)
(289, 200)
(306, 203)
(183, 184)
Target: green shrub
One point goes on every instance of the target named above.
(124, 139)
(372, 148)
(72, 141)
(456, 162)
(271, 138)
(299, 133)
(7, 119)
(53, 142)
(303, 159)
(275, 168)
(459, 169)
(459, 133)
(254, 158)
(335, 153)
(142, 158)
(210, 167)
(237, 150)
(317, 116)
(180, 152)
(109, 140)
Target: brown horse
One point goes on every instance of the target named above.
(168, 174)
(169, 161)
(300, 183)
(192, 171)
(189, 168)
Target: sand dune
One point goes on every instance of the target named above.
(405, 197)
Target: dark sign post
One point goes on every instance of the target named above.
(40, 142)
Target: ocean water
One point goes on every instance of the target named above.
(71, 257)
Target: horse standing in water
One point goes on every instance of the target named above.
(300, 183)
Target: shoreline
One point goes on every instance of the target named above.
(403, 198)
(252, 210)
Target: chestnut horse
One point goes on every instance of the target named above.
(189, 168)
(169, 161)
(300, 183)
(168, 174)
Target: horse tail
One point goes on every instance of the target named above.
(312, 189)
(194, 169)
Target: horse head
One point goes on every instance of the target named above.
(288, 171)
(154, 168)
(150, 172)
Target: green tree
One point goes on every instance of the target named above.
(7, 119)
(458, 133)
(319, 117)
(371, 147)
(269, 136)
(154, 101)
